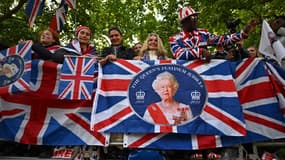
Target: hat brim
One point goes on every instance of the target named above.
(196, 13)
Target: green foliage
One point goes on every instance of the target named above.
(137, 18)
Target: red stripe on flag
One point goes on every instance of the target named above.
(28, 65)
(264, 122)
(70, 62)
(112, 119)
(85, 93)
(279, 88)
(165, 62)
(38, 109)
(65, 91)
(220, 85)
(12, 50)
(23, 51)
(23, 83)
(236, 126)
(4, 90)
(143, 140)
(206, 142)
(35, 123)
(86, 126)
(243, 66)
(166, 129)
(34, 12)
(129, 65)
(261, 90)
(112, 85)
(10, 112)
(195, 64)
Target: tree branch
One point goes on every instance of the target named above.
(12, 11)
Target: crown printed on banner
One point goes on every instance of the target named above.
(195, 95)
(140, 95)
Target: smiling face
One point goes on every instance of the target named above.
(252, 51)
(46, 38)
(115, 37)
(152, 42)
(84, 36)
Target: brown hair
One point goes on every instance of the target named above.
(55, 35)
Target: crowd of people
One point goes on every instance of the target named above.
(189, 44)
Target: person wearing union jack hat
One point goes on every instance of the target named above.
(81, 46)
(191, 43)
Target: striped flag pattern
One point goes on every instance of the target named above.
(258, 83)
(33, 9)
(112, 111)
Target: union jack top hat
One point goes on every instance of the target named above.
(186, 12)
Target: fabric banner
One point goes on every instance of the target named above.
(33, 9)
(257, 83)
(77, 78)
(15, 68)
(269, 45)
(39, 117)
(130, 98)
(59, 17)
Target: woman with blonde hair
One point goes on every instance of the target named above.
(153, 48)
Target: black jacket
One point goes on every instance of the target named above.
(123, 52)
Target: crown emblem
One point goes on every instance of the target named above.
(140, 95)
(195, 95)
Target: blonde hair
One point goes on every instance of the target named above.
(160, 48)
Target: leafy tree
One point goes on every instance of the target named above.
(136, 18)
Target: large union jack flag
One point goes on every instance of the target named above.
(260, 88)
(77, 78)
(39, 117)
(221, 114)
(20, 57)
(33, 9)
(59, 17)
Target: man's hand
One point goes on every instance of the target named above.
(109, 57)
(250, 26)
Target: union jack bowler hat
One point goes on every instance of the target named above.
(186, 12)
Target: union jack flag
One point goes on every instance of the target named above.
(77, 78)
(59, 18)
(261, 108)
(221, 114)
(71, 3)
(21, 82)
(33, 9)
(38, 117)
